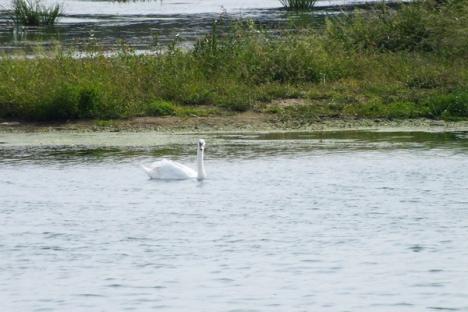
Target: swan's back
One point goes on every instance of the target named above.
(169, 170)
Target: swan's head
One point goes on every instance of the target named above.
(201, 145)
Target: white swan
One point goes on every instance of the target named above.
(170, 170)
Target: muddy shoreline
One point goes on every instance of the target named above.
(243, 122)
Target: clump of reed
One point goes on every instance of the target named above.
(34, 13)
(298, 5)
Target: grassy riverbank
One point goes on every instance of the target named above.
(410, 62)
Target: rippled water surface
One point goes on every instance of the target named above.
(333, 221)
(144, 23)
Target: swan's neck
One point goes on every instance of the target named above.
(201, 174)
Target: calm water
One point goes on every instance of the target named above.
(337, 221)
(140, 22)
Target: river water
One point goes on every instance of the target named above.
(323, 221)
(143, 24)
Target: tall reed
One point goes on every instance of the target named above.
(33, 13)
(298, 4)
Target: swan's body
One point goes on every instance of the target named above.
(170, 170)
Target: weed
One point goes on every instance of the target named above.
(34, 13)
(364, 65)
(160, 108)
(298, 4)
(448, 105)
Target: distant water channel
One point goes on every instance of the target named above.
(331, 221)
(142, 23)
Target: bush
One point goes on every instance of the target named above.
(373, 109)
(63, 105)
(89, 102)
(402, 110)
(420, 26)
(161, 108)
(448, 106)
(238, 98)
(67, 102)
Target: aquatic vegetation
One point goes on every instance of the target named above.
(298, 4)
(245, 68)
(34, 13)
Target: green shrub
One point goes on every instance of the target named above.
(238, 98)
(89, 102)
(234, 103)
(182, 81)
(447, 106)
(67, 102)
(374, 109)
(161, 108)
(419, 26)
(270, 91)
(63, 105)
(386, 29)
(402, 110)
(438, 105)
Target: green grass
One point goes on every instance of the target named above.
(298, 4)
(423, 26)
(34, 13)
(160, 108)
(346, 70)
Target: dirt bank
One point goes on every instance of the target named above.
(249, 121)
